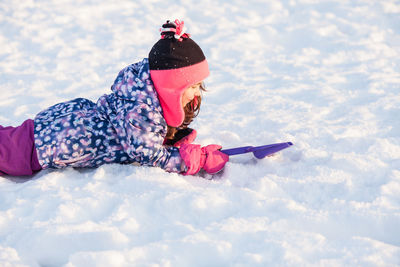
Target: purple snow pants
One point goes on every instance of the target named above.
(17, 150)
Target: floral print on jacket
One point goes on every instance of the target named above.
(126, 126)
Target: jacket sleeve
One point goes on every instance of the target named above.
(141, 136)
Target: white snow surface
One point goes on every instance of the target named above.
(324, 75)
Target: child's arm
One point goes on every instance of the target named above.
(141, 136)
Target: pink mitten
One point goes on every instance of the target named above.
(215, 159)
(209, 158)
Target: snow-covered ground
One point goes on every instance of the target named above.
(322, 74)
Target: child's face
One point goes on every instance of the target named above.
(190, 93)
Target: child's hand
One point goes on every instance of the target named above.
(188, 136)
(183, 136)
(215, 159)
(209, 158)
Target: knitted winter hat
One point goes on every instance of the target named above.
(176, 63)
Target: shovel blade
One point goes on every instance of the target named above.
(263, 151)
(258, 151)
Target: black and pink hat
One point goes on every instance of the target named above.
(176, 63)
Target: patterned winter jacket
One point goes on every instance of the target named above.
(126, 126)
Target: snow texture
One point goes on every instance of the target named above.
(324, 75)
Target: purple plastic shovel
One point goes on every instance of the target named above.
(258, 151)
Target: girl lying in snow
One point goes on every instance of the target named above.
(144, 120)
